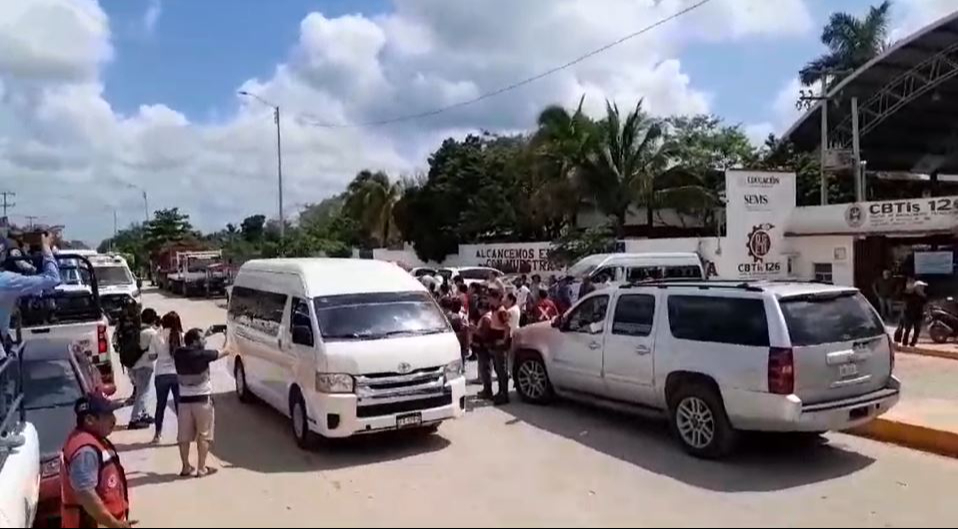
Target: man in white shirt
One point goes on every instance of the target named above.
(512, 309)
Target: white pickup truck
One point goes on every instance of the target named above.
(19, 452)
(72, 315)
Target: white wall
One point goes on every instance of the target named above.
(836, 249)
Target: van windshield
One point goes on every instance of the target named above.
(816, 320)
(113, 275)
(378, 315)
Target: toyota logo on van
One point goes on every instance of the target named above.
(404, 368)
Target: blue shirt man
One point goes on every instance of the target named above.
(13, 286)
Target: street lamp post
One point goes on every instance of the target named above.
(279, 163)
(146, 202)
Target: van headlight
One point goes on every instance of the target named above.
(453, 370)
(335, 383)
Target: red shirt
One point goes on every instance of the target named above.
(546, 310)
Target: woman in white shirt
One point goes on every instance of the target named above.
(169, 339)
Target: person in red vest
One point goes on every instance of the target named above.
(92, 480)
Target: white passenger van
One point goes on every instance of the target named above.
(343, 346)
(634, 267)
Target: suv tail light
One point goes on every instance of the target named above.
(781, 371)
(102, 344)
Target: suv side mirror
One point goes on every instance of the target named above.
(302, 335)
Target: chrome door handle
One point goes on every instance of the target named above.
(595, 345)
(643, 350)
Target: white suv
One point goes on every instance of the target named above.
(716, 358)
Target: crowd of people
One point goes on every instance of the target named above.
(484, 316)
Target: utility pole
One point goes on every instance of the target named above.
(279, 165)
(805, 102)
(113, 240)
(6, 203)
(31, 220)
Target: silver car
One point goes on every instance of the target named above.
(717, 358)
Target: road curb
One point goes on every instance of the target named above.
(941, 442)
(923, 351)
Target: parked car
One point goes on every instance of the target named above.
(54, 378)
(634, 267)
(343, 346)
(717, 358)
(19, 451)
(469, 274)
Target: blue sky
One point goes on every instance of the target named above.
(201, 50)
(101, 99)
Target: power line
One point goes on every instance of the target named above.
(408, 117)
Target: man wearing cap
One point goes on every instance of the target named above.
(92, 480)
(13, 285)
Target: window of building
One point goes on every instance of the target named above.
(823, 272)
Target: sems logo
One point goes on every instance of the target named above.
(756, 200)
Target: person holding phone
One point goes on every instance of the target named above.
(14, 284)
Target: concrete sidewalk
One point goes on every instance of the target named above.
(926, 418)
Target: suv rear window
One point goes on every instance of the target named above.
(721, 320)
(829, 319)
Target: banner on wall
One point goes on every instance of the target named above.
(890, 216)
(934, 263)
(757, 211)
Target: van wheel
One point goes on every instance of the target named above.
(699, 422)
(305, 439)
(532, 379)
(242, 389)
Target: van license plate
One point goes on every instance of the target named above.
(848, 371)
(409, 421)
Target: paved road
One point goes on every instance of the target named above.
(523, 465)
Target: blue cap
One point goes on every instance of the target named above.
(95, 405)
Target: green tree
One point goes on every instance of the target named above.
(561, 145)
(621, 169)
(167, 225)
(370, 199)
(253, 228)
(851, 43)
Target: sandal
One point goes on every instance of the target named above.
(186, 473)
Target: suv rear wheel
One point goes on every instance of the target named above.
(699, 421)
(532, 379)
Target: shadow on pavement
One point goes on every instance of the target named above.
(258, 438)
(763, 463)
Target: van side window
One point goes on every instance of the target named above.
(300, 323)
(588, 312)
(683, 272)
(644, 273)
(634, 315)
(720, 320)
(257, 309)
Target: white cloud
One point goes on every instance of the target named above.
(53, 39)
(152, 15)
(913, 15)
(74, 156)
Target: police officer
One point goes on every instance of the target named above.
(13, 284)
(92, 480)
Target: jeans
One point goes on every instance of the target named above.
(166, 384)
(141, 390)
(496, 357)
(885, 307)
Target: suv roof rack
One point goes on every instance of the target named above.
(697, 283)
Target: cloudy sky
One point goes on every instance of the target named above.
(101, 99)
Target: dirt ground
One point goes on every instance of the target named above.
(521, 465)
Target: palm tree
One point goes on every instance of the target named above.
(561, 145)
(621, 168)
(371, 199)
(851, 41)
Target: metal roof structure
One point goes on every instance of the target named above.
(908, 106)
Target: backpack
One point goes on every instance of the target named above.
(128, 341)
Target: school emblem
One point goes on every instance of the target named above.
(760, 242)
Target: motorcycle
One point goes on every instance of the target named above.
(942, 320)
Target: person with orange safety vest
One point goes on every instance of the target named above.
(93, 483)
